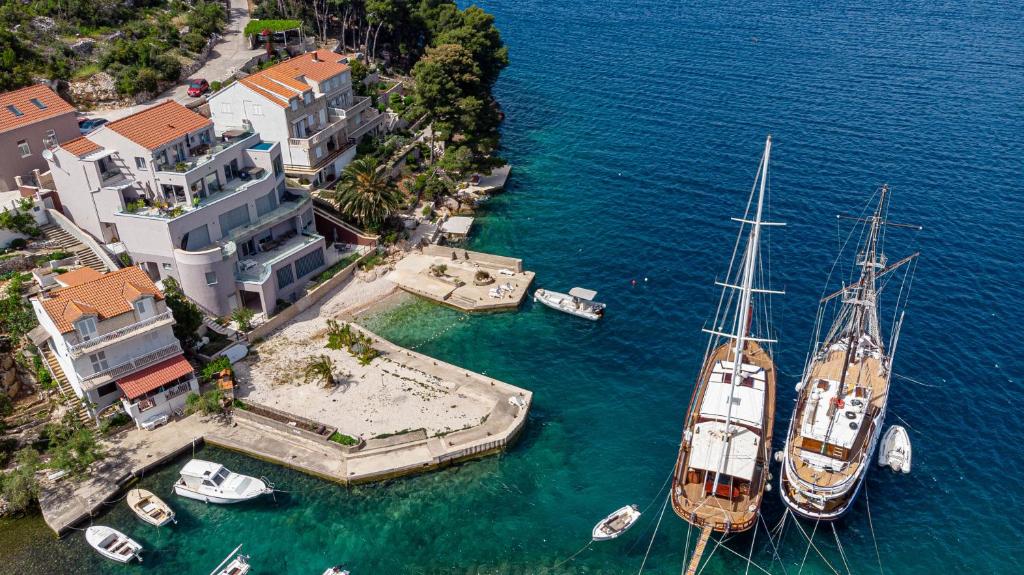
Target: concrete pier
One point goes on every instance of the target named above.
(457, 287)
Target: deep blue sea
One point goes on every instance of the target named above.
(635, 129)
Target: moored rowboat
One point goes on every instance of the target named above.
(616, 524)
(150, 508)
(113, 544)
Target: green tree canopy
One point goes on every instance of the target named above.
(366, 194)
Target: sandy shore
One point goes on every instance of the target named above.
(384, 397)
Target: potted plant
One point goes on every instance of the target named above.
(482, 278)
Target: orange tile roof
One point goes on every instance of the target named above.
(81, 146)
(142, 382)
(78, 277)
(21, 100)
(158, 125)
(108, 296)
(281, 82)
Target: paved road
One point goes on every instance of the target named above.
(227, 56)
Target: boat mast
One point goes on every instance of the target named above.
(740, 321)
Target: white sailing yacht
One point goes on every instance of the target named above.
(722, 467)
(843, 393)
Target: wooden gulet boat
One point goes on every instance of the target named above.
(722, 467)
(843, 393)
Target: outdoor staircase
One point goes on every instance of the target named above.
(65, 386)
(67, 242)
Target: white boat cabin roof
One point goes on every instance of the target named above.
(849, 417)
(583, 293)
(747, 397)
(201, 469)
(708, 442)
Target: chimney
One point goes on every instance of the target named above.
(316, 58)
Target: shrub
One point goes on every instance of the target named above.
(125, 259)
(208, 403)
(210, 370)
(215, 85)
(17, 243)
(343, 439)
(19, 487)
(187, 315)
(6, 406)
(427, 210)
(114, 422)
(193, 42)
(72, 446)
(243, 317)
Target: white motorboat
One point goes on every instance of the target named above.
(895, 450)
(234, 564)
(616, 524)
(150, 508)
(213, 483)
(578, 302)
(336, 570)
(113, 544)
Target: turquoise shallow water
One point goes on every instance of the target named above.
(635, 129)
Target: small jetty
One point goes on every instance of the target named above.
(466, 280)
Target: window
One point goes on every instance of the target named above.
(309, 263)
(211, 278)
(38, 104)
(142, 307)
(266, 204)
(99, 361)
(24, 149)
(86, 328)
(295, 104)
(140, 163)
(285, 277)
(225, 107)
(319, 152)
(278, 166)
(14, 110)
(235, 218)
(168, 267)
(257, 110)
(307, 97)
(197, 238)
(50, 139)
(107, 389)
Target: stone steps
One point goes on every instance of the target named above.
(65, 387)
(68, 242)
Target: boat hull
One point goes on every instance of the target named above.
(210, 498)
(126, 548)
(552, 299)
(139, 498)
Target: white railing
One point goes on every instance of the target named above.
(367, 125)
(78, 348)
(138, 363)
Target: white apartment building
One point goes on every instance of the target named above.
(209, 209)
(305, 103)
(110, 335)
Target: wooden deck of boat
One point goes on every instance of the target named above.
(863, 373)
(688, 499)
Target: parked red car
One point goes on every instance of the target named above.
(198, 87)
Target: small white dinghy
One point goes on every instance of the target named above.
(234, 564)
(113, 544)
(213, 483)
(336, 570)
(150, 508)
(578, 302)
(895, 449)
(616, 524)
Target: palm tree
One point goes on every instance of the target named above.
(366, 194)
(320, 369)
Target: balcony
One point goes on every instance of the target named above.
(256, 268)
(320, 136)
(101, 377)
(367, 125)
(169, 212)
(288, 208)
(359, 103)
(76, 350)
(208, 153)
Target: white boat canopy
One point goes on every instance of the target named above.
(583, 293)
(709, 442)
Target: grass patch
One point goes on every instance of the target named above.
(342, 439)
(399, 432)
(333, 270)
(372, 261)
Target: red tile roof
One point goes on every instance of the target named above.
(160, 124)
(30, 113)
(281, 82)
(78, 277)
(81, 146)
(107, 296)
(142, 382)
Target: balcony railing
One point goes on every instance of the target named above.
(136, 364)
(367, 125)
(208, 155)
(258, 267)
(286, 209)
(320, 136)
(112, 336)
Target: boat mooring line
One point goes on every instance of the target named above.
(912, 380)
(867, 502)
(839, 545)
(775, 549)
(810, 544)
(654, 535)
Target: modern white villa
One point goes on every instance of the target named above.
(305, 103)
(207, 208)
(110, 336)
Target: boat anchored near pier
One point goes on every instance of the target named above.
(213, 483)
(578, 302)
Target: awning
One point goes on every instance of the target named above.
(583, 293)
(142, 382)
(710, 442)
